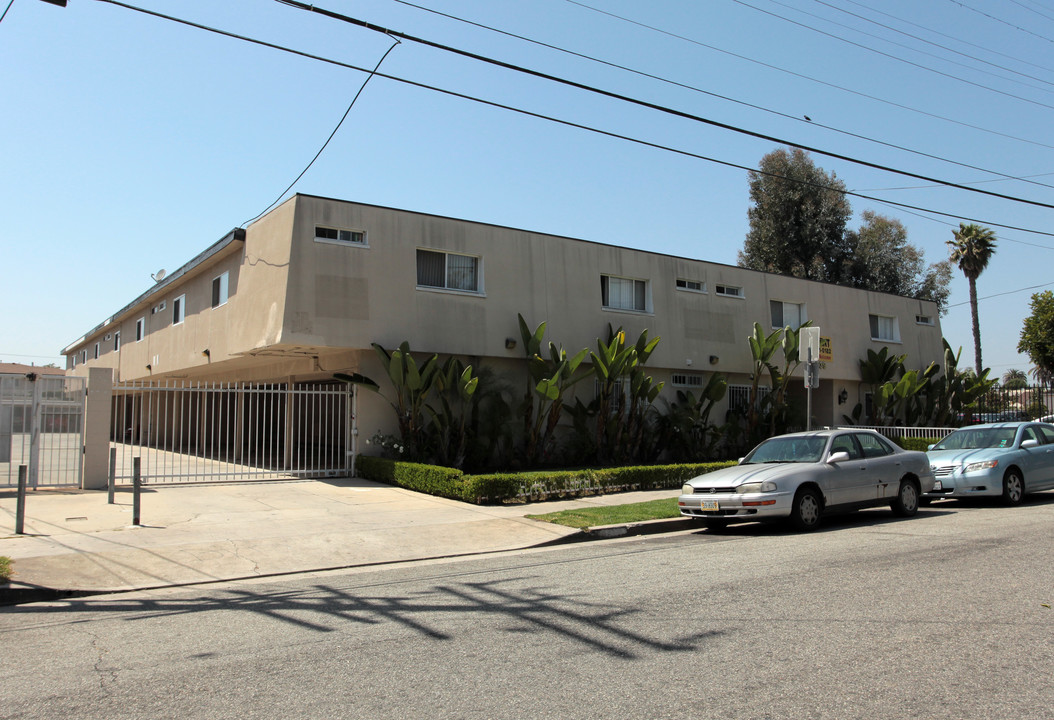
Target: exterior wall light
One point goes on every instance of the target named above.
(510, 343)
(714, 359)
(843, 396)
(206, 353)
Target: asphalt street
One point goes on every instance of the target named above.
(946, 615)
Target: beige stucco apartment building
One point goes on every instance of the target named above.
(302, 293)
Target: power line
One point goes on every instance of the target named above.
(567, 123)
(325, 144)
(998, 20)
(891, 57)
(645, 104)
(1008, 292)
(818, 81)
(930, 42)
(6, 9)
(674, 83)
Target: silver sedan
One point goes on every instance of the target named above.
(802, 476)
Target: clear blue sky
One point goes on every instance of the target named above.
(129, 143)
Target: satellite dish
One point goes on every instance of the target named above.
(158, 276)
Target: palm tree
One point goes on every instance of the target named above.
(1015, 379)
(971, 249)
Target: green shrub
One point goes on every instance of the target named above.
(920, 444)
(431, 479)
(500, 487)
(6, 569)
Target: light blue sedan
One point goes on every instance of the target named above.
(1004, 460)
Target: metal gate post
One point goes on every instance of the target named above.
(20, 508)
(34, 437)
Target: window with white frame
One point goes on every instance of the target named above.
(690, 380)
(785, 313)
(619, 293)
(728, 290)
(73, 361)
(140, 329)
(739, 396)
(117, 341)
(84, 356)
(884, 327)
(179, 309)
(97, 349)
(924, 320)
(619, 394)
(693, 285)
(339, 235)
(220, 287)
(448, 271)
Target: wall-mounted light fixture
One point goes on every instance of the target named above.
(714, 359)
(149, 367)
(510, 343)
(843, 396)
(206, 352)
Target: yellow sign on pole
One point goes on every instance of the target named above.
(825, 349)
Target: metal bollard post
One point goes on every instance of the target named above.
(136, 483)
(112, 485)
(20, 509)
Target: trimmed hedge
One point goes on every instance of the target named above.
(920, 444)
(499, 487)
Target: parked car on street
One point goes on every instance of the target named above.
(802, 476)
(1005, 460)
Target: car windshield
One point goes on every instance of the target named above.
(976, 438)
(788, 450)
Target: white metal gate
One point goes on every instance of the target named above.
(196, 432)
(41, 427)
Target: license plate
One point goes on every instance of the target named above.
(709, 505)
(937, 485)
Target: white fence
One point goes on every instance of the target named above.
(193, 432)
(41, 427)
(905, 432)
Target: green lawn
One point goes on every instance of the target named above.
(613, 515)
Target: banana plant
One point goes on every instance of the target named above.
(455, 390)
(688, 435)
(548, 380)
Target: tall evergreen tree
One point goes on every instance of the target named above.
(797, 219)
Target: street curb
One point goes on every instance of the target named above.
(18, 594)
(647, 527)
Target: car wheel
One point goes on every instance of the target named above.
(806, 510)
(906, 503)
(715, 524)
(1013, 487)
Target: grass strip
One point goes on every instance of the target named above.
(613, 514)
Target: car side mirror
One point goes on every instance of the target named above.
(1029, 443)
(837, 457)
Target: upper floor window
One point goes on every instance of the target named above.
(884, 327)
(179, 309)
(449, 271)
(618, 293)
(729, 290)
(785, 313)
(140, 329)
(84, 357)
(924, 319)
(97, 348)
(339, 235)
(695, 285)
(686, 380)
(219, 289)
(117, 341)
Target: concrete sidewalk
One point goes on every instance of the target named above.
(75, 542)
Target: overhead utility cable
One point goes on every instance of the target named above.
(567, 123)
(325, 144)
(1032, 10)
(998, 20)
(930, 42)
(825, 83)
(946, 35)
(891, 57)
(708, 93)
(645, 104)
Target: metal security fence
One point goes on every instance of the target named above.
(894, 433)
(197, 432)
(41, 427)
